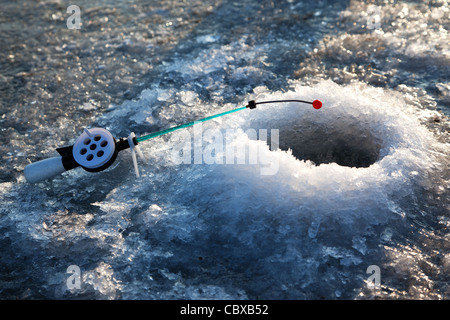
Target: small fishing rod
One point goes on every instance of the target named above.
(96, 149)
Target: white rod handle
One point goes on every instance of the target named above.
(44, 169)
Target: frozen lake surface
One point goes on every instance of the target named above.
(362, 182)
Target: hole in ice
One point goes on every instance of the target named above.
(345, 143)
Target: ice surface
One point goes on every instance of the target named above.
(362, 181)
(255, 225)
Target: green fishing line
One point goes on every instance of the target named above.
(160, 133)
(251, 105)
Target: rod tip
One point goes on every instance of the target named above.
(317, 104)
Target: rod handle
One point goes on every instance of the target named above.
(44, 169)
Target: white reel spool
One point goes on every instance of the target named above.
(94, 148)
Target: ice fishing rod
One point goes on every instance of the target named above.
(96, 149)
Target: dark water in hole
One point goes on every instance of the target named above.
(357, 149)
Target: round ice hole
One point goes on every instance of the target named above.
(93, 146)
(83, 151)
(347, 144)
(87, 141)
(97, 137)
(100, 153)
(104, 143)
(90, 157)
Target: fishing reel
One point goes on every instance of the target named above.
(94, 150)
